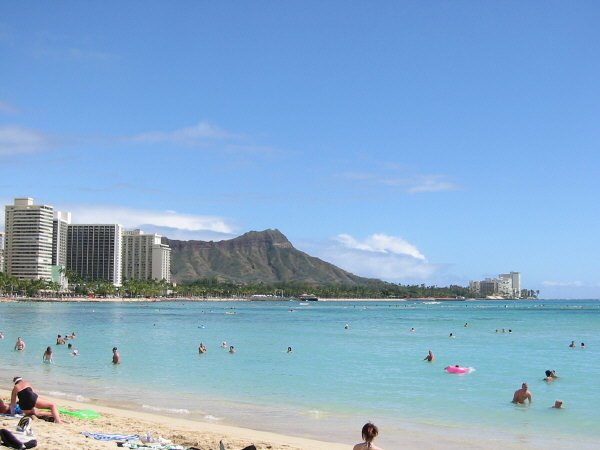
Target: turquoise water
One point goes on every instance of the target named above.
(335, 379)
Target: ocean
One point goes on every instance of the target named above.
(351, 362)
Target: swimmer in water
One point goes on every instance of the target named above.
(522, 394)
(289, 350)
(201, 348)
(429, 357)
(224, 344)
(550, 376)
(452, 335)
(20, 344)
(572, 344)
(558, 404)
(412, 330)
(59, 340)
(116, 358)
(346, 327)
(582, 345)
(47, 357)
(231, 349)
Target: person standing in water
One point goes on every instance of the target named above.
(47, 357)
(20, 344)
(522, 394)
(116, 358)
(369, 432)
(429, 357)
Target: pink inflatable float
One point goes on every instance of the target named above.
(457, 369)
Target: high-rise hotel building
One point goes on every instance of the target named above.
(145, 257)
(94, 252)
(1, 251)
(28, 240)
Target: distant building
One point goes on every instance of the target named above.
(1, 251)
(94, 252)
(507, 285)
(28, 240)
(60, 226)
(145, 257)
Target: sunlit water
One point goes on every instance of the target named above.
(336, 378)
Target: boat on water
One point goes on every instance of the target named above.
(308, 298)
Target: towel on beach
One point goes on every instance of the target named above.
(111, 437)
(152, 446)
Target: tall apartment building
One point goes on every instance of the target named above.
(1, 251)
(513, 283)
(60, 226)
(94, 252)
(507, 285)
(145, 257)
(28, 240)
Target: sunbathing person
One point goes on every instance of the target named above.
(29, 401)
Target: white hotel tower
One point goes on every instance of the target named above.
(145, 257)
(28, 240)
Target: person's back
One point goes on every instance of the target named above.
(369, 432)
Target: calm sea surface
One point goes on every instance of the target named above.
(336, 378)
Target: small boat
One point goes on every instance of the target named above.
(308, 298)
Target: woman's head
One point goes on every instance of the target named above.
(17, 380)
(49, 350)
(369, 432)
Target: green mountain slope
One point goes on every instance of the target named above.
(257, 256)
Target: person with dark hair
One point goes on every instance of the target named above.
(29, 401)
(47, 357)
(429, 357)
(369, 432)
(116, 359)
(550, 375)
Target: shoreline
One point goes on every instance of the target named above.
(181, 431)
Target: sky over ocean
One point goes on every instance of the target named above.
(415, 142)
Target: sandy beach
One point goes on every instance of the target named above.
(186, 433)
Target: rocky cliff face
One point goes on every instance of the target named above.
(257, 256)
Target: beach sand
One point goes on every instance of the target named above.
(180, 431)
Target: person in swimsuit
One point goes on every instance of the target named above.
(116, 357)
(429, 357)
(47, 357)
(202, 348)
(369, 432)
(29, 401)
(522, 394)
(20, 344)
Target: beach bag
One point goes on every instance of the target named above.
(21, 438)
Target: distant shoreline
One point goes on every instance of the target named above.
(6, 299)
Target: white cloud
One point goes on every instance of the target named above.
(17, 140)
(135, 218)
(394, 176)
(379, 256)
(381, 243)
(198, 134)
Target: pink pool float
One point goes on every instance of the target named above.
(458, 369)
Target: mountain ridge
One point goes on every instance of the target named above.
(256, 256)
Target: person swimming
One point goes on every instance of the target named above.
(558, 404)
(289, 350)
(201, 348)
(231, 349)
(550, 376)
(429, 357)
(20, 344)
(572, 344)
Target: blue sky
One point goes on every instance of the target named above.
(418, 142)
